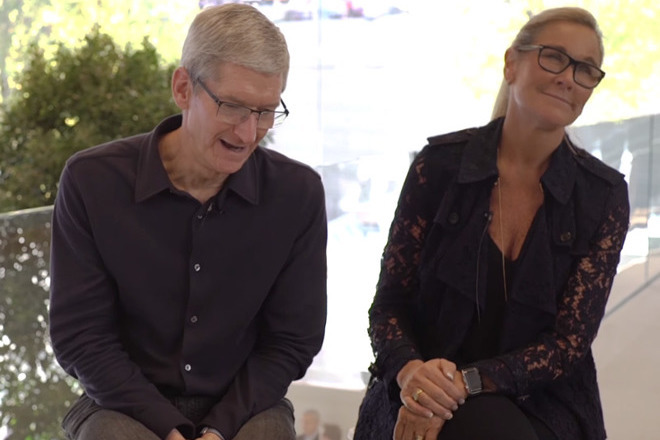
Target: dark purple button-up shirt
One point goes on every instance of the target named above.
(155, 295)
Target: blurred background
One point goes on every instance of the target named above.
(370, 80)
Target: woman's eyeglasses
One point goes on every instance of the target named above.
(556, 61)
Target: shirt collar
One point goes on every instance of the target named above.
(479, 162)
(245, 182)
(152, 177)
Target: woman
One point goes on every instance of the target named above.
(499, 262)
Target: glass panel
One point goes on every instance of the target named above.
(34, 391)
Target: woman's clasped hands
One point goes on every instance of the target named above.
(430, 392)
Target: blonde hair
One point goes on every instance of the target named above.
(531, 29)
(234, 33)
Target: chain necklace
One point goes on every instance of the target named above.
(498, 184)
(499, 203)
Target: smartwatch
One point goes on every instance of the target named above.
(472, 380)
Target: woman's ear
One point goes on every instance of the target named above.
(509, 65)
(182, 87)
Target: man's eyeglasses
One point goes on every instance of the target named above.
(556, 61)
(236, 114)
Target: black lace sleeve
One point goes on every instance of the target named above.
(580, 311)
(389, 323)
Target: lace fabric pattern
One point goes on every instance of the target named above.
(579, 313)
(554, 364)
(390, 330)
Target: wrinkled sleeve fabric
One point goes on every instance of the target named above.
(389, 328)
(293, 323)
(581, 308)
(84, 324)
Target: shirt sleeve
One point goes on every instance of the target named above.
(580, 311)
(84, 326)
(293, 325)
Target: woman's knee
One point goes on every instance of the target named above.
(488, 417)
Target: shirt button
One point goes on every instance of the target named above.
(187, 367)
(197, 267)
(193, 319)
(200, 216)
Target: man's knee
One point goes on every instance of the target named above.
(112, 425)
(275, 423)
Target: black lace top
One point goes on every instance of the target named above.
(434, 276)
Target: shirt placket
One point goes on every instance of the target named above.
(197, 266)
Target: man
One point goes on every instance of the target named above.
(311, 425)
(188, 264)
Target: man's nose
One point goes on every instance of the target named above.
(247, 130)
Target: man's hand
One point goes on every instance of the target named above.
(410, 426)
(175, 435)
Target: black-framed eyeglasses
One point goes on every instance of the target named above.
(236, 114)
(554, 60)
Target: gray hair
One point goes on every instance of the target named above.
(234, 33)
(531, 29)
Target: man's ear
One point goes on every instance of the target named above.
(509, 65)
(182, 88)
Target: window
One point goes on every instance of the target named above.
(369, 81)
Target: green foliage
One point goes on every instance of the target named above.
(34, 391)
(48, 23)
(79, 98)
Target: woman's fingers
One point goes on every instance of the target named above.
(429, 388)
(404, 430)
(410, 426)
(414, 405)
(435, 402)
(432, 394)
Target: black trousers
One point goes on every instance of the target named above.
(493, 417)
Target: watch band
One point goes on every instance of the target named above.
(212, 431)
(472, 380)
